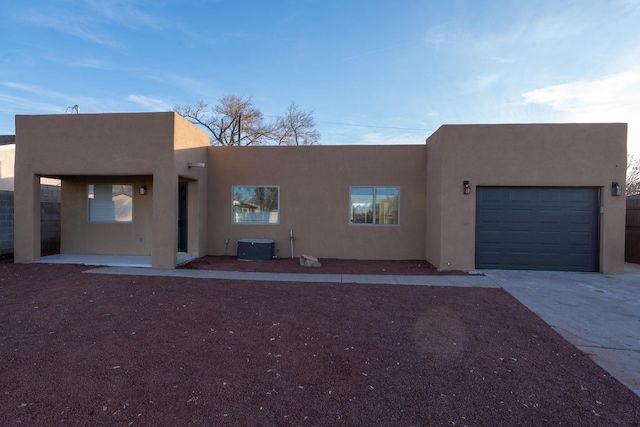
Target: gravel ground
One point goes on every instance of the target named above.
(90, 349)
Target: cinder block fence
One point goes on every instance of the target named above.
(6, 222)
(49, 220)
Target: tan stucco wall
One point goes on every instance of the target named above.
(314, 186)
(79, 236)
(98, 144)
(191, 145)
(7, 160)
(433, 202)
(582, 155)
(116, 147)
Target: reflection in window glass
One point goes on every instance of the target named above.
(374, 205)
(362, 205)
(110, 203)
(255, 205)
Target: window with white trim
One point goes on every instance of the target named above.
(109, 203)
(255, 205)
(374, 205)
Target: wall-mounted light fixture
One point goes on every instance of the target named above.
(466, 187)
(195, 165)
(143, 190)
(616, 189)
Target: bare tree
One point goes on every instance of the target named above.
(633, 175)
(297, 127)
(235, 121)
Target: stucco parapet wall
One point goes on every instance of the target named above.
(533, 154)
(329, 153)
(103, 144)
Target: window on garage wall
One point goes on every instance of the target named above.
(110, 203)
(255, 204)
(374, 205)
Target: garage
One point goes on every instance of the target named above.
(537, 228)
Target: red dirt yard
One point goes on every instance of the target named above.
(97, 349)
(329, 266)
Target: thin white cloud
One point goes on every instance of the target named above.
(32, 98)
(153, 104)
(380, 50)
(90, 20)
(191, 85)
(391, 138)
(83, 27)
(35, 90)
(123, 13)
(619, 91)
(16, 105)
(445, 35)
(332, 136)
(503, 60)
(96, 63)
(479, 83)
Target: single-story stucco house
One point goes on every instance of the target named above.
(516, 196)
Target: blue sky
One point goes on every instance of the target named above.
(373, 71)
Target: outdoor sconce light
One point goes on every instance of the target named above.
(143, 190)
(616, 189)
(195, 165)
(466, 187)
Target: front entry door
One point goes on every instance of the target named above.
(182, 216)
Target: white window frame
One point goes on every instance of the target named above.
(106, 210)
(269, 217)
(374, 189)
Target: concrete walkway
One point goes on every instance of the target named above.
(138, 261)
(599, 314)
(478, 280)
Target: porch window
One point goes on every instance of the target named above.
(110, 203)
(255, 205)
(374, 205)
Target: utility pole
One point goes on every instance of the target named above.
(239, 127)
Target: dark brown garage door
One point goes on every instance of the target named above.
(538, 228)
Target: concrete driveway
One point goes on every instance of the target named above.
(599, 314)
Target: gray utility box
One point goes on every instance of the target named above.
(255, 249)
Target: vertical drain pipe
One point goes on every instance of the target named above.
(291, 240)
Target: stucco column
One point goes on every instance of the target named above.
(612, 232)
(164, 250)
(26, 213)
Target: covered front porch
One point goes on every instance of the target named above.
(133, 187)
